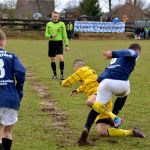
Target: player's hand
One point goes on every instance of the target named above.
(60, 82)
(53, 35)
(107, 54)
(67, 48)
(74, 92)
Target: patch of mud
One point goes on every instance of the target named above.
(58, 116)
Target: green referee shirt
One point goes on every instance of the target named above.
(57, 28)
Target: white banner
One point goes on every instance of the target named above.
(90, 26)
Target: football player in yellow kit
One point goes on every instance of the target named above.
(89, 85)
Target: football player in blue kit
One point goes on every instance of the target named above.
(113, 81)
(12, 77)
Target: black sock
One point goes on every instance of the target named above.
(61, 65)
(53, 66)
(1, 146)
(90, 119)
(6, 143)
(119, 103)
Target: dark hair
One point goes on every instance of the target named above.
(135, 46)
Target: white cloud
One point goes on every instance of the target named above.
(103, 5)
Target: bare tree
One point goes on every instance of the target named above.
(108, 4)
(38, 5)
(58, 3)
(129, 1)
(8, 7)
(10, 4)
(72, 8)
(136, 3)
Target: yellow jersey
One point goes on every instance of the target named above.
(89, 84)
(88, 79)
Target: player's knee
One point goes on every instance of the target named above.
(89, 103)
(103, 133)
(8, 132)
(52, 59)
(60, 57)
(91, 100)
(102, 129)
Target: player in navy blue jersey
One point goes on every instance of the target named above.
(12, 77)
(113, 81)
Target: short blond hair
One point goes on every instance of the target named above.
(79, 62)
(54, 12)
(2, 36)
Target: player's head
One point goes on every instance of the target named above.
(78, 63)
(55, 16)
(136, 47)
(2, 39)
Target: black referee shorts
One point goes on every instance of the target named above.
(55, 48)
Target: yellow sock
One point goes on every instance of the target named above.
(100, 108)
(118, 132)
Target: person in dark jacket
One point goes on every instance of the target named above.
(12, 78)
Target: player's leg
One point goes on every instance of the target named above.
(93, 114)
(9, 119)
(118, 104)
(7, 137)
(104, 94)
(90, 119)
(89, 122)
(52, 54)
(61, 66)
(1, 127)
(60, 56)
(53, 66)
(104, 129)
(1, 136)
(105, 90)
(91, 100)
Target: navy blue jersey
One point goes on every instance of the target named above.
(121, 65)
(12, 77)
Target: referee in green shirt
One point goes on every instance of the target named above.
(56, 33)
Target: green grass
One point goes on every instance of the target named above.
(35, 130)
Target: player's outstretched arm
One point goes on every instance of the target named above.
(107, 54)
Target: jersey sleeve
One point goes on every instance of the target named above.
(124, 53)
(19, 73)
(47, 34)
(77, 76)
(81, 88)
(65, 38)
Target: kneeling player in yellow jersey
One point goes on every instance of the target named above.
(89, 85)
(85, 75)
(105, 126)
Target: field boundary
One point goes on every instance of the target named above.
(40, 35)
